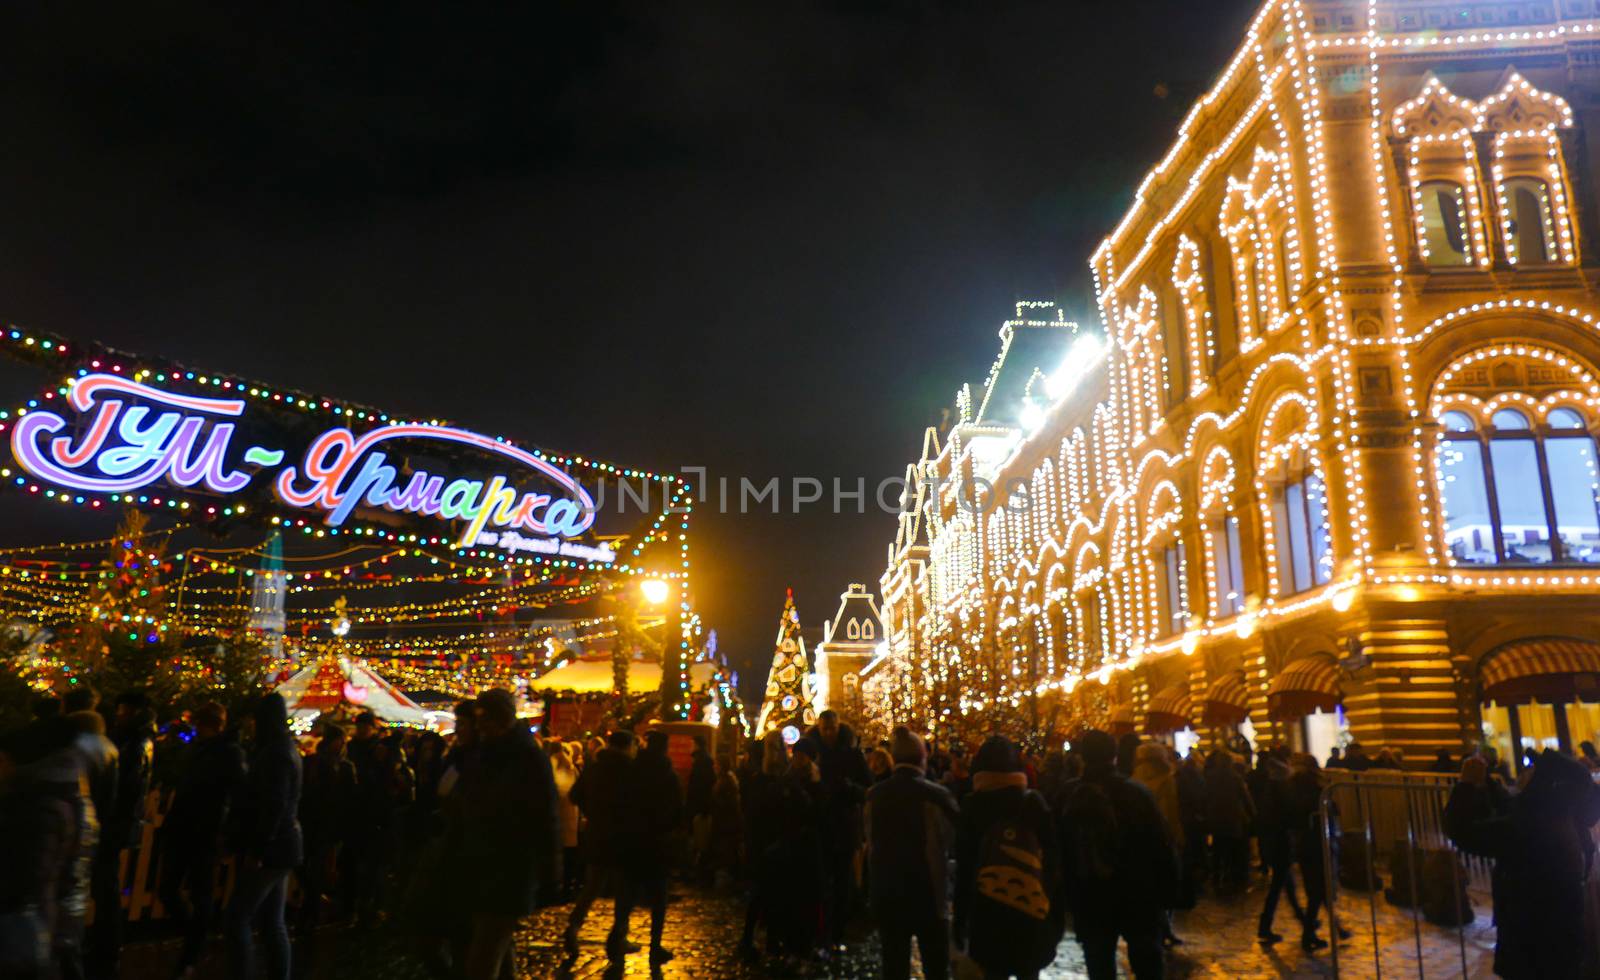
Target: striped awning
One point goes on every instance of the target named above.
(1227, 701)
(1307, 685)
(1555, 669)
(1169, 711)
(1121, 722)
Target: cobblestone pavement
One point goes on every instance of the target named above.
(703, 928)
(1219, 943)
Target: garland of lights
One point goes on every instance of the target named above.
(1079, 570)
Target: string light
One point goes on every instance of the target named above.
(1077, 572)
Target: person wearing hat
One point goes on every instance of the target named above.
(1007, 867)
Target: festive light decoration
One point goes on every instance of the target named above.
(789, 701)
(1262, 378)
(120, 430)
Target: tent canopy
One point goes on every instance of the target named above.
(593, 676)
(330, 681)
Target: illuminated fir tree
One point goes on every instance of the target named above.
(121, 640)
(790, 699)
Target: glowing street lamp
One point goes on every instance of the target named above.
(654, 590)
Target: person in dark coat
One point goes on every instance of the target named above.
(761, 795)
(510, 839)
(38, 823)
(191, 833)
(327, 806)
(697, 793)
(657, 812)
(1229, 813)
(1191, 782)
(911, 827)
(602, 792)
(1008, 864)
(133, 730)
(45, 873)
(1121, 864)
(1543, 854)
(1306, 833)
(845, 779)
(793, 881)
(1274, 821)
(266, 837)
(1356, 758)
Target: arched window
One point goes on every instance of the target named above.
(1530, 171)
(1442, 220)
(1294, 497)
(1516, 462)
(1530, 226)
(867, 630)
(1225, 561)
(1301, 520)
(1519, 493)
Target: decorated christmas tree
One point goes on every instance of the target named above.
(789, 701)
(121, 640)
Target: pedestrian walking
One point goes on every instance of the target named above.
(191, 832)
(510, 840)
(565, 770)
(603, 793)
(327, 799)
(1007, 868)
(1274, 820)
(268, 843)
(133, 731)
(657, 813)
(1229, 813)
(1152, 769)
(762, 799)
(1121, 869)
(1305, 802)
(844, 779)
(911, 828)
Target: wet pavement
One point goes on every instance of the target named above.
(703, 930)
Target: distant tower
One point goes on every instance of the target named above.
(789, 701)
(266, 603)
(848, 644)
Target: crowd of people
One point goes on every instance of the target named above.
(372, 824)
(991, 855)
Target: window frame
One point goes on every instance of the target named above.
(1538, 432)
(1467, 257)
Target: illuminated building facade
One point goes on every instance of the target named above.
(1331, 473)
(849, 643)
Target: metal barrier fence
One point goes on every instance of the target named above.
(1394, 821)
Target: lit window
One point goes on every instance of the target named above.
(1457, 422)
(1174, 605)
(1300, 515)
(1521, 495)
(1230, 571)
(1510, 420)
(1444, 223)
(1530, 226)
(1564, 418)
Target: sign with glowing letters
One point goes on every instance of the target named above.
(123, 436)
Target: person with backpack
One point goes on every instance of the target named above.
(1120, 867)
(911, 823)
(1007, 867)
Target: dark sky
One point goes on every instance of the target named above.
(767, 238)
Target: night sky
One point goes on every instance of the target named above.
(769, 239)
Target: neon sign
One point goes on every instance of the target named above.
(126, 436)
